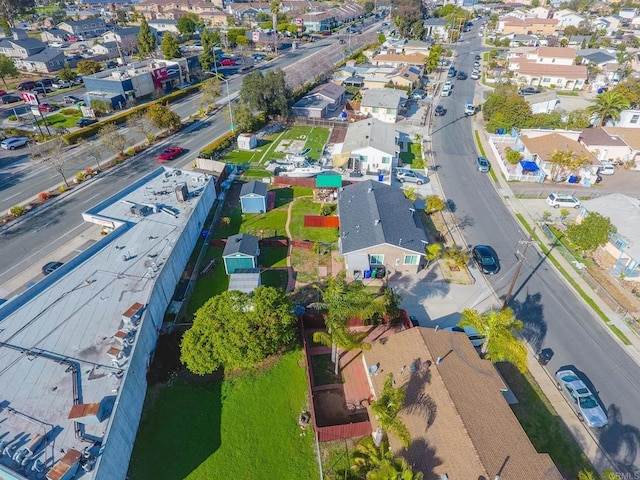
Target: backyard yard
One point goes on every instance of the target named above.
(241, 428)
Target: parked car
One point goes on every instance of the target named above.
(51, 267)
(564, 200)
(258, 57)
(439, 111)
(482, 164)
(41, 90)
(47, 82)
(12, 143)
(45, 107)
(58, 84)
(407, 175)
(452, 72)
(475, 75)
(606, 168)
(462, 76)
(2, 93)
(417, 94)
(85, 122)
(71, 99)
(476, 338)
(227, 62)
(26, 86)
(56, 44)
(477, 57)
(169, 154)
(528, 91)
(581, 399)
(486, 258)
(6, 99)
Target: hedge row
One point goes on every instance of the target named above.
(218, 146)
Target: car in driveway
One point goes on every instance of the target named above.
(12, 143)
(439, 111)
(6, 99)
(85, 122)
(528, 91)
(475, 337)
(486, 258)
(581, 399)
(45, 107)
(170, 153)
(564, 200)
(51, 267)
(482, 164)
(407, 175)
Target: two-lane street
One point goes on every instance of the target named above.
(554, 317)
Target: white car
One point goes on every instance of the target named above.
(607, 168)
(564, 200)
(581, 399)
(14, 142)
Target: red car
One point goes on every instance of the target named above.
(2, 93)
(45, 107)
(169, 154)
(227, 62)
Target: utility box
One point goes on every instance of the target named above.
(247, 141)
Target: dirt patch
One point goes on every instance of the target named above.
(305, 264)
(619, 293)
(455, 274)
(290, 146)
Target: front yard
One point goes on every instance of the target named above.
(413, 156)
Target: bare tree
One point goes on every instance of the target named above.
(139, 123)
(210, 90)
(52, 154)
(112, 138)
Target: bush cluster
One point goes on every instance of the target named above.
(224, 142)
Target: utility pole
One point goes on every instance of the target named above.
(517, 272)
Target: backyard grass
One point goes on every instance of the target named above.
(305, 263)
(545, 428)
(273, 257)
(306, 206)
(265, 225)
(209, 285)
(275, 278)
(413, 156)
(323, 369)
(241, 428)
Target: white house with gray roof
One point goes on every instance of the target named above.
(380, 233)
(383, 103)
(371, 146)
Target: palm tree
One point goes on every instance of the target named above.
(387, 407)
(587, 475)
(609, 105)
(624, 58)
(378, 463)
(499, 328)
(563, 161)
(432, 252)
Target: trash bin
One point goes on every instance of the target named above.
(380, 177)
(544, 356)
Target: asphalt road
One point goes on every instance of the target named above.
(554, 317)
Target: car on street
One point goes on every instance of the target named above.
(51, 267)
(564, 200)
(475, 75)
(476, 338)
(482, 164)
(486, 258)
(46, 107)
(71, 99)
(47, 82)
(85, 122)
(407, 175)
(41, 90)
(12, 143)
(452, 72)
(581, 399)
(439, 111)
(528, 91)
(462, 76)
(169, 153)
(258, 57)
(477, 57)
(6, 99)
(227, 62)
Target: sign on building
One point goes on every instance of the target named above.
(30, 98)
(87, 112)
(299, 21)
(255, 37)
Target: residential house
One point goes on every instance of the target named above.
(413, 59)
(540, 12)
(629, 13)
(528, 26)
(609, 24)
(54, 34)
(631, 136)
(568, 18)
(164, 25)
(604, 146)
(219, 18)
(370, 146)
(545, 102)
(436, 27)
(408, 76)
(108, 49)
(628, 119)
(454, 409)
(47, 61)
(83, 13)
(126, 36)
(323, 101)
(549, 67)
(380, 233)
(21, 46)
(416, 46)
(89, 28)
(240, 252)
(624, 245)
(174, 9)
(319, 21)
(253, 197)
(524, 41)
(383, 103)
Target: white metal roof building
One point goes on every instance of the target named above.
(75, 347)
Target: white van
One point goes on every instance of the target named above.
(606, 169)
(469, 108)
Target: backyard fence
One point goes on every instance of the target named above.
(302, 244)
(321, 221)
(266, 242)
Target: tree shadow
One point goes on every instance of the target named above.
(531, 312)
(621, 442)
(422, 457)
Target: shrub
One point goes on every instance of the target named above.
(434, 203)
(17, 210)
(88, 171)
(218, 146)
(456, 256)
(513, 156)
(326, 210)
(62, 188)
(44, 196)
(13, 118)
(80, 175)
(130, 152)
(71, 112)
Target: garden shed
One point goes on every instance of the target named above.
(247, 141)
(253, 197)
(240, 253)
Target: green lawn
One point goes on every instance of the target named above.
(61, 120)
(275, 278)
(545, 428)
(413, 156)
(306, 206)
(265, 225)
(273, 257)
(243, 428)
(209, 285)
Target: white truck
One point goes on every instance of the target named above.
(469, 108)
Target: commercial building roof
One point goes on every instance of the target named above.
(66, 343)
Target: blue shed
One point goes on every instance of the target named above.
(240, 253)
(253, 197)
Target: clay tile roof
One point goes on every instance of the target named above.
(546, 145)
(459, 421)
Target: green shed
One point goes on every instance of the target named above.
(240, 253)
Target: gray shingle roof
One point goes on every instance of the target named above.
(258, 188)
(46, 55)
(241, 243)
(370, 133)
(383, 97)
(330, 90)
(373, 213)
(26, 43)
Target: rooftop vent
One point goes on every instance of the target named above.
(377, 222)
(182, 192)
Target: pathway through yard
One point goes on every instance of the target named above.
(291, 282)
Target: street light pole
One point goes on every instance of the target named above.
(229, 104)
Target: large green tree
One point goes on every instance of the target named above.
(499, 328)
(630, 89)
(266, 93)
(112, 138)
(88, 67)
(609, 105)
(591, 232)
(387, 407)
(435, 54)
(210, 39)
(161, 116)
(187, 25)
(7, 69)
(10, 10)
(66, 74)
(236, 331)
(409, 18)
(146, 40)
(511, 109)
(170, 47)
(564, 162)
